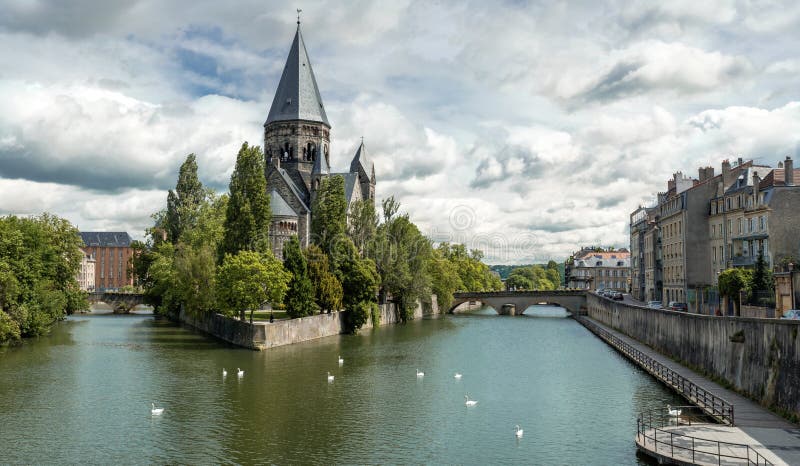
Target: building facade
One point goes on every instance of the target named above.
(85, 277)
(297, 152)
(112, 253)
(591, 269)
(703, 226)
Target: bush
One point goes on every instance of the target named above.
(9, 330)
(357, 315)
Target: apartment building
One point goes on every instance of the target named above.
(700, 227)
(593, 268)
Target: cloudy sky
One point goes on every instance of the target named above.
(526, 129)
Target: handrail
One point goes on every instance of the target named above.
(648, 431)
(714, 405)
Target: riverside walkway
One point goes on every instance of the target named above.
(753, 435)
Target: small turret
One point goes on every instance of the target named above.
(365, 169)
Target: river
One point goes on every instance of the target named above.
(83, 395)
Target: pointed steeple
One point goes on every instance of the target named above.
(361, 163)
(297, 96)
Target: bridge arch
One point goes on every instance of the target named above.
(120, 303)
(516, 302)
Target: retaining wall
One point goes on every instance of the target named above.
(264, 335)
(758, 357)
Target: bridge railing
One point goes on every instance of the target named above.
(712, 404)
(653, 430)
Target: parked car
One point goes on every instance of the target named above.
(793, 314)
(616, 296)
(654, 304)
(676, 306)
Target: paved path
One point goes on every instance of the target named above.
(753, 421)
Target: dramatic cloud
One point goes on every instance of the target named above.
(526, 129)
(654, 65)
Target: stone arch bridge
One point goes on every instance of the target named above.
(515, 302)
(121, 303)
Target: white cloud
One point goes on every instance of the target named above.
(540, 125)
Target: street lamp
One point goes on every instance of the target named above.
(791, 284)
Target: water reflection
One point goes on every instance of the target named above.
(83, 394)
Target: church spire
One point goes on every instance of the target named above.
(297, 96)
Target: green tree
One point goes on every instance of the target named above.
(762, 279)
(444, 279)
(330, 214)
(247, 218)
(184, 202)
(39, 260)
(300, 299)
(362, 224)
(249, 279)
(475, 275)
(518, 281)
(359, 281)
(731, 283)
(402, 255)
(195, 277)
(327, 288)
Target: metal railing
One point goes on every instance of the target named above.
(653, 432)
(713, 405)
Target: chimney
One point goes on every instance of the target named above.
(756, 182)
(740, 162)
(727, 176)
(788, 171)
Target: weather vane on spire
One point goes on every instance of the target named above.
(298, 15)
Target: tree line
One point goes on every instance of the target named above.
(208, 252)
(39, 261)
(535, 277)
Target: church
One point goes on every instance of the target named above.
(297, 152)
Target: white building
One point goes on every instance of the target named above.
(86, 272)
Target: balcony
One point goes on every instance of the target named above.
(742, 261)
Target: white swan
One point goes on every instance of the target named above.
(420, 374)
(457, 376)
(468, 402)
(330, 377)
(341, 361)
(673, 412)
(518, 431)
(155, 411)
(224, 372)
(239, 372)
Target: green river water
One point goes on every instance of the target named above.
(83, 395)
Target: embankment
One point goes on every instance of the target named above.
(759, 358)
(265, 335)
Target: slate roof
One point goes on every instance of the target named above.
(361, 162)
(321, 166)
(295, 190)
(114, 239)
(297, 96)
(279, 206)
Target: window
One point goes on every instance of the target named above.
(750, 226)
(761, 223)
(714, 250)
(744, 248)
(713, 231)
(728, 203)
(739, 225)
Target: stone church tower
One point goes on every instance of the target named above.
(297, 151)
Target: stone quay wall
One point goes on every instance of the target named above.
(759, 358)
(265, 335)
